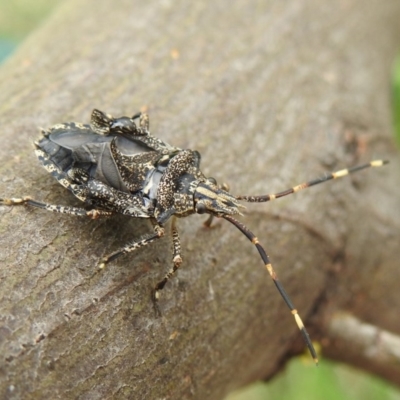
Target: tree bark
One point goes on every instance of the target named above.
(271, 93)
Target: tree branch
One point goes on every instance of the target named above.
(364, 344)
(271, 94)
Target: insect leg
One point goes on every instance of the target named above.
(78, 211)
(144, 122)
(294, 189)
(176, 259)
(143, 241)
(207, 223)
(253, 239)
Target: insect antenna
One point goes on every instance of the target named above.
(253, 239)
(294, 189)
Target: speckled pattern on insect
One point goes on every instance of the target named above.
(115, 166)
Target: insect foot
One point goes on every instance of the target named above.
(14, 201)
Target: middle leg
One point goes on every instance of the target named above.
(143, 241)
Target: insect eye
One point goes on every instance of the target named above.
(212, 180)
(200, 208)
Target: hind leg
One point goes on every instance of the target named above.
(78, 211)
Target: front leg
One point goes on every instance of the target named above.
(185, 162)
(176, 259)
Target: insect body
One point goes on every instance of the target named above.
(116, 166)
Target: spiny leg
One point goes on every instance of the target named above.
(143, 241)
(176, 259)
(334, 175)
(253, 239)
(78, 211)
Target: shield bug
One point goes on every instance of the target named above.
(115, 165)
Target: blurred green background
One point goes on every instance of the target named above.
(18, 18)
(300, 379)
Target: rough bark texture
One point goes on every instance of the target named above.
(271, 93)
